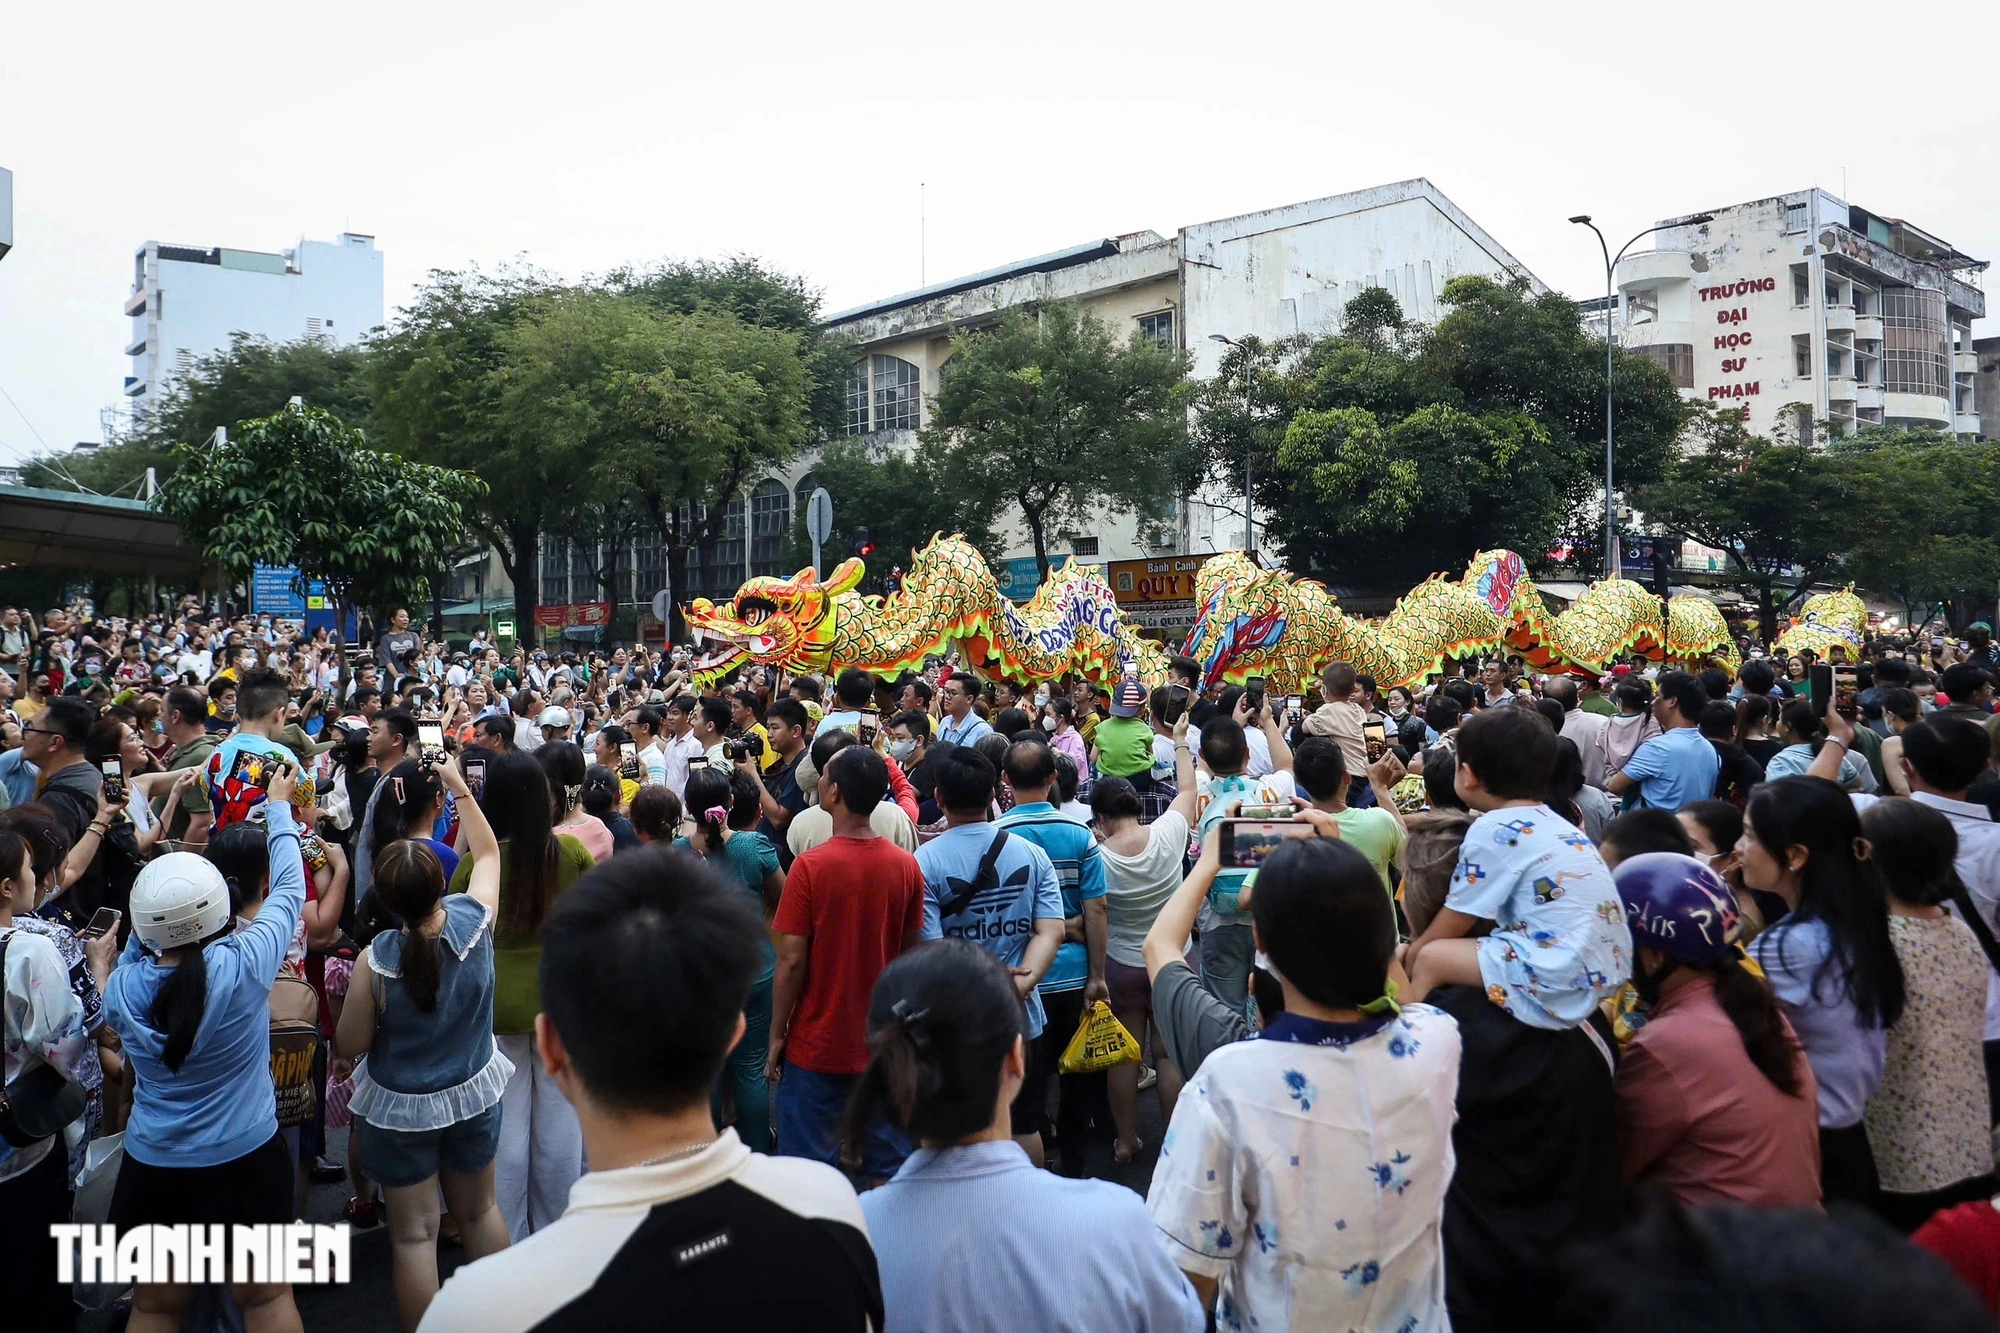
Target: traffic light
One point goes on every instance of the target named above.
(864, 545)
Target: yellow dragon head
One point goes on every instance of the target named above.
(1829, 620)
(1241, 617)
(785, 623)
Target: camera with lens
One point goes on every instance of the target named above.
(750, 747)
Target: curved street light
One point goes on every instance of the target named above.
(1610, 266)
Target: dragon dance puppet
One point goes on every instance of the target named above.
(1252, 622)
(1826, 621)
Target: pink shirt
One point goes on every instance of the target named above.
(1696, 1116)
(591, 832)
(1071, 744)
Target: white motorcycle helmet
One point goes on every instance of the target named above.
(178, 899)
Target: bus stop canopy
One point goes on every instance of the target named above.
(103, 534)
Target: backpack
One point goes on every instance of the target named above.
(963, 891)
(294, 1044)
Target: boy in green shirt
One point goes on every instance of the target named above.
(1124, 741)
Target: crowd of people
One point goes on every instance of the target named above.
(1481, 1003)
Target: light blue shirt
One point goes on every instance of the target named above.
(1675, 768)
(973, 1239)
(18, 776)
(1794, 760)
(1073, 852)
(1002, 919)
(219, 1104)
(963, 733)
(1847, 1059)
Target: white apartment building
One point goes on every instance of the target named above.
(1272, 273)
(1803, 309)
(6, 211)
(186, 301)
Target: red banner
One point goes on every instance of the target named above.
(580, 613)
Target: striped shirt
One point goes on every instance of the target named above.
(1079, 870)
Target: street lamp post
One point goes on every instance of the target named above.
(1249, 439)
(1611, 266)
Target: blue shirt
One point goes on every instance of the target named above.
(1001, 920)
(18, 776)
(963, 733)
(1847, 1059)
(1675, 768)
(1079, 870)
(219, 1105)
(972, 1237)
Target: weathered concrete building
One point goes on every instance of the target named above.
(1271, 273)
(1801, 309)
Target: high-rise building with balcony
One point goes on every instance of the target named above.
(186, 301)
(1803, 309)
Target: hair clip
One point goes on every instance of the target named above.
(912, 1022)
(715, 814)
(399, 789)
(1385, 1004)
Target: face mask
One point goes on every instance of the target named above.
(901, 750)
(1041, 698)
(1048, 724)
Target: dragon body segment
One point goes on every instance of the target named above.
(1826, 621)
(949, 598)
(1252, 622)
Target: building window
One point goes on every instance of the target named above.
(1796, 216)
(1916, 342)
(1083, 546)
(1677, 359)
(555, 571)
(857, 402)
(1158, 328)
(722, 561)
(649, 566)
(1801, 285)
(898, 385)
(802, 495)
(1802, 357)
(1642, 306)
(583, 585)
(770, 514)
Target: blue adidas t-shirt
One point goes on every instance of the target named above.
(1000, 920)
(1079, 870)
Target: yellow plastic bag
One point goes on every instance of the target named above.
(1101, 1041)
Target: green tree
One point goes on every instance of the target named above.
(437, 376)
(1785, 514)
(1941, 555)
(1050, 411)
(299, 488)
(1483, 431)
(900, 498)
(662, 419)
(252, 377)
(767, 299)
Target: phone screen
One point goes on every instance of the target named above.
(1845, 692)
(1245, 844)
(473, 765)
(1376, 737)
(430, 735)
(628, 750)
(870, 721)
(113, 770)
(1819, 684)
(102, 923)
(1295, 706)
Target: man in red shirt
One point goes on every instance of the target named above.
(850, 906)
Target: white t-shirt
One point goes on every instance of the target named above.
(1137, 886)
(812, 826)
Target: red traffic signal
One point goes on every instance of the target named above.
(864, 545)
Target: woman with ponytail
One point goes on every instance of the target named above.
(420, 1010)
(751, 863)
(1830, 961)
(191, 1004)
(411, 809)
(968, 1226)
(541, 1143)
(563, 763)
(1929, 1125)
(1715, 1096)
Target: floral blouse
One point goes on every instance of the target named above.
(1928, 1123)
(44, 1023)
(1305, 1170)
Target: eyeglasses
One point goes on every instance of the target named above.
(39, 731)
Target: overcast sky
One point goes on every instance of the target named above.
(588, 135)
